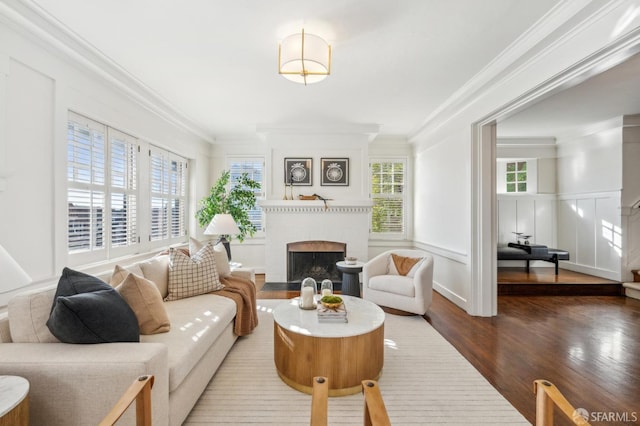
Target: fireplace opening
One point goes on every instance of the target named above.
(315, 259)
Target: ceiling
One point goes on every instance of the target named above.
(215, 61)
(591, 104)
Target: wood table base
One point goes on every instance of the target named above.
(345, 361)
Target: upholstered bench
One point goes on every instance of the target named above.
(528, 252)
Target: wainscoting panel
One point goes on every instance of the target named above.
(589, 226)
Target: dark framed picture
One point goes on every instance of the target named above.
(335, 171)
(298, 171)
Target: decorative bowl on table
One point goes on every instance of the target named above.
(350, 260)
(331, 302)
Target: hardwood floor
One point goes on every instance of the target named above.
(588, 346)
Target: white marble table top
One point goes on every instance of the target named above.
(344, 264)
(13, 390)
(363, 317)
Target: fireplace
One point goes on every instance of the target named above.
(315, 259)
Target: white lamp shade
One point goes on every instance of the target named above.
(304, 58)
(222, 224)
(13, 276)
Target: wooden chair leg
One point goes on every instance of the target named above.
(140, 392)
(320, 401)
(375, 412)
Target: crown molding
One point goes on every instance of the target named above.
(30, 17)
(371, 130)
(507, 62)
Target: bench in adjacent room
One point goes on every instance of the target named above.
(528, 252)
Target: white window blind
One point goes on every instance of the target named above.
(388, 196)
(254, 167)
(168, 179)
(124, 195)
(102, 186)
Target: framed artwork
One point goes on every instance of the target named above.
(298, 171)
(335, 171)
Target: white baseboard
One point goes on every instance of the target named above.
(448, 294)
(590, 270)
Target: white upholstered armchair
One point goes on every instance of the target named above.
(402, 284)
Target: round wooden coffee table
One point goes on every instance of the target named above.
(345, 353)
(14, 401)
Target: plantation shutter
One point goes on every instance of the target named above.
(86, 184)
(168, 195)
(387, 194)
(254, 167)
(124, 191)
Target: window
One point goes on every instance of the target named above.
(516, 176)
(110, 210)
(254, 167)
(102, 186)
(388, 196)
(168, 178)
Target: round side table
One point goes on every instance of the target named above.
(350, 277)
(14, 401)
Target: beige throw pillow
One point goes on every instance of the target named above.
(120, 273)
(191, 276)
(146, 303)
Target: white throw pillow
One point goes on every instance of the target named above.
(156, 269)
(222, 261)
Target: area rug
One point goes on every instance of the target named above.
(425, 381)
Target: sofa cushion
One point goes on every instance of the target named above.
(396, 284)
(191, 276)
(402, 265)
(222, 261)
(28, 315)
(143, 297)
(156, 269)
(88, 310)
(196, 323)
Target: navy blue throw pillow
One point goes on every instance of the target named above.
(88, 310)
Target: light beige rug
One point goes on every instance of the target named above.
(425, 381)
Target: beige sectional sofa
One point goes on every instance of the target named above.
(77, 384)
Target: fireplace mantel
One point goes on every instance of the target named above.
(316, 206)
(287, 221)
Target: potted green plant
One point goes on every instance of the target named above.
(236, 201)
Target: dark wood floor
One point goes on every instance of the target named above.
(588, 346)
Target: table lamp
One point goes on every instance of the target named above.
(223, 224)
(13, 276)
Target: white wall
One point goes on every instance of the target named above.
(41, 86)
(589, 220)
(441, 215)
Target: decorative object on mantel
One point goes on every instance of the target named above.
(304, 58)
(298, 172)
(236, 201)
(335, 171)
(314, 197)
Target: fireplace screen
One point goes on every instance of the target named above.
(315, 259)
